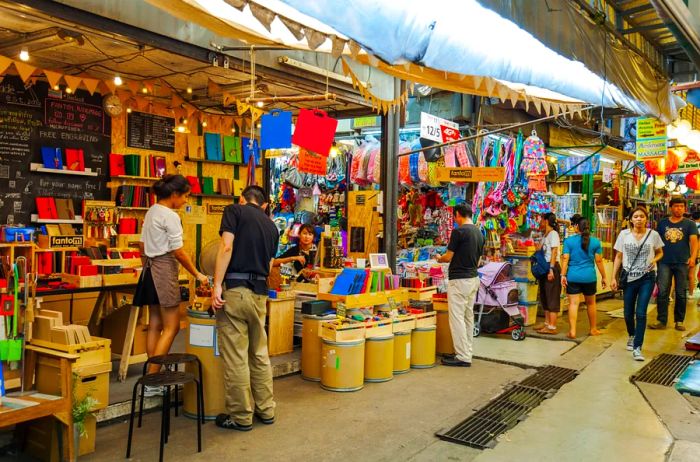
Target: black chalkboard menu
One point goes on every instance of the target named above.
(150, 131)
(34, 116)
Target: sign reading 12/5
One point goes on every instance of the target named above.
(437, 129)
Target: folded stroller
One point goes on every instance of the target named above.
(497, 302)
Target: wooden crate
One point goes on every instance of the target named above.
(424, 294)
(128, 240)
(280, 325)
(123, 262)
(90, 380)
(439, 303)
(121, 278)
(306, 287)
(95, 352)
(404, 323)
(341, 332)
(368, 299)
(82, 281)
(426, 319)
(375, 329)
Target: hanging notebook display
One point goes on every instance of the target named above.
(315, 131)
(250, 149)
(276, 130)
(232, 149)
(212, 146)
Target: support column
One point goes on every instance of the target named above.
(390, 182)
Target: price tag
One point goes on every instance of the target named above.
(340, 310)
(437, 129)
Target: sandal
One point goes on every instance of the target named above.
(572, 337)
(548, 331)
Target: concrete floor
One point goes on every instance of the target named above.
(599, 416)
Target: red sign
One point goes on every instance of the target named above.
(449, 133)
(311, 163)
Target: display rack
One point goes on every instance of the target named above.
(368, 299)
(36, 167)
(78, 220)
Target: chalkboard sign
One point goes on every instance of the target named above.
(149, 131)
(34, 116)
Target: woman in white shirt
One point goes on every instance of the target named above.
(638, 251)
(550, 285)
(162, 244)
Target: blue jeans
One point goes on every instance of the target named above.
(636, 297)
(679, 273)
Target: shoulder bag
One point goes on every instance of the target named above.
(622, 278)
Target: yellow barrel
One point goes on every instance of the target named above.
(201, 342)
(379, 359)
(342, 365)
(311, 348)
(444, 345)
(423, 347)
(402, 352)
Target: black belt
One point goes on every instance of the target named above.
(245, 276)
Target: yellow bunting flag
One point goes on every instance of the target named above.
(25, 70)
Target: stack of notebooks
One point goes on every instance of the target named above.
(136, 165)
(353, 281)
(50, 208)
(134, 196)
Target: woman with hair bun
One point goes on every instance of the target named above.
(550, 285)
(162, 244)
(582, 253)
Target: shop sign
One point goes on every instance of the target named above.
(471, 174)
(311, 163)
(691, 162)
(215, 209)
(365, 122)
(578, 165)
(194, 214)
(436, 129)
(59, 242)
(652, 140)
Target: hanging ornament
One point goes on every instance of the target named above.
(692, 179)
(663, 166)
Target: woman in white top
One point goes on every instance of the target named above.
(638, 251)
(550, 285)
(162, 244)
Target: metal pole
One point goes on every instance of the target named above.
(389, 179)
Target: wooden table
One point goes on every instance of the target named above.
(60, 408)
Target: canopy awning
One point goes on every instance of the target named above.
(435, 46)
(563, 141)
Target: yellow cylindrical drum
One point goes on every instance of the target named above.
(423, 347)
(342, 365)
(402, 352)
(212, 367)
(379, 359)
(444, 345)
(311, 348)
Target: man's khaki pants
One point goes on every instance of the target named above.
(461, 295)
(243, 345)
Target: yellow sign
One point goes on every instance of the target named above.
(215, 209)
(56, 242)
(471, 174)
(193, 214)
(651, 138)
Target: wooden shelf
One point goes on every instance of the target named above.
(213, 196)
(136, 178)
(223, 162)
(133, 209)
(77, 221)
(368, 299)
(39, 168)
(60, 249)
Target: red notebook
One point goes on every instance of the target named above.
(75, 160)
(196, 187)
(46, 208)
(116, 165)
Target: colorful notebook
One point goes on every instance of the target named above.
(195, 147)
(195, 186)
(132, 164)
(75, 160)
(212, 146)
(51, 157)
(116, 165)
(232, 149)
(207, 185)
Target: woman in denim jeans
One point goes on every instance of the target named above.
(638, 251)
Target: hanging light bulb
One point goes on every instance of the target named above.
(683, 189)
(118, 80)
(204, 123)
(144, 90)
(258, 125)
(671, 132)
(24, 54)
(189, 90)
(334, 151)
(128, 110)
(259, 104)
(69, 90)
(184, 121)
(660, 183)
(56, 87)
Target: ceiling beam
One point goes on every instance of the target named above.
(637, 9)
(648, 27)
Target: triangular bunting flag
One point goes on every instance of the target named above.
(338, 46)
(513, 98)
(91, 84)
(213, 88)
(142, 104)
(538, 105)
(24, 70)
(354, 48)
(4, 64)
(374, 61)
(149, 85)
(229, 99)
(314, 38)
(256, 113)
(490, 85)
(190, 110)
(109, 86)
(72, 81)
(54, 78)
(295, 28)
(477, 79)
(546, 107)
(242, 107)
(262, 14)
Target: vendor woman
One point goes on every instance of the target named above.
(162, 244)
(302, 255)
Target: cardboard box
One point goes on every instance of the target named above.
(91, 380)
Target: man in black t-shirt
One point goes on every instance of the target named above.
(463, 252)
(680, 237)
(248, 244)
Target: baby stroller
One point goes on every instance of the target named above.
(497, 302)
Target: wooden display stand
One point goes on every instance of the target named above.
(364, 223)
(368, 299)
(280, 325)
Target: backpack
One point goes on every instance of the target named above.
(539, 266)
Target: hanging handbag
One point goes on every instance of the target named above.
(276, 130)
(314, 131)
(622, 277)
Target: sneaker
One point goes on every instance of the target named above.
(266, 421)
(637, 354)
(630, 343)
(680, 326)
(657, 326)
(225, 421)
(455, 362)
(149, 391)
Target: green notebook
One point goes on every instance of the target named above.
(207, 185)
(232, 149)
(132, 164)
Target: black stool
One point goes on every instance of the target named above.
(170, 362)
(166, 379)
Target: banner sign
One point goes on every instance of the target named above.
(691, 162)
(436, 129)
(578, 165)
(471, 174)
(651, 138)
(312, 163)
(58, 242)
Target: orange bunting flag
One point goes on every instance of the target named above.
(25, 70)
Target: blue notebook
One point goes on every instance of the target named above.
(248, 150)
(212, 146)
(350, 281)
(52, 158)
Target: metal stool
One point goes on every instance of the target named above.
(170, 362)
(166, 379)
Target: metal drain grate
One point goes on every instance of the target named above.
(663, 370)
(550, 378)
(502, 413)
